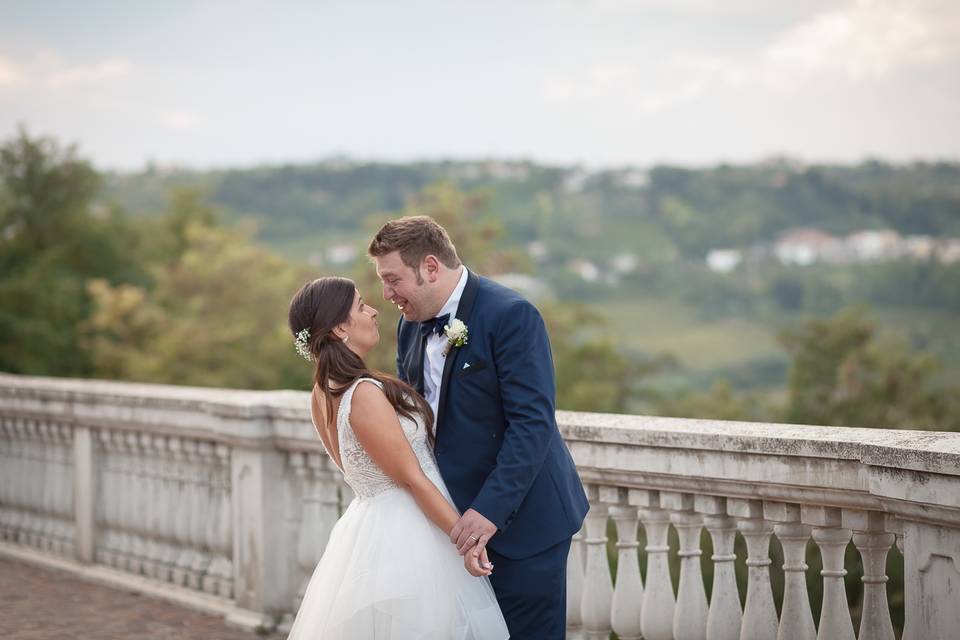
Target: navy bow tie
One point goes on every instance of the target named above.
(434, 325)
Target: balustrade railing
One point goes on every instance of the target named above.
(697, 529)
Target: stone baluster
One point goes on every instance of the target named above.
(598, 586)
(690, 616)
(184, 511)
(108, 501)
(796, 619)
(219, 578)
(171, 503)
(126, 491)
(759, 613)
(832, 538)
(133, 503)
(202, 508)
(6, 478)
(724, 616)
(873, 541)
(34, 489)
(21, 522)
(46, 449)
(18, 484)
(575, 566)
(21, 488)
(153, 451)
(656, 617)
(627, 609)
(136, 507)
(65, 530)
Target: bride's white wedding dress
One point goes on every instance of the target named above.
(388, 572)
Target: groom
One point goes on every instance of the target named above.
(491, 387)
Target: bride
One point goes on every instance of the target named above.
(389, 570)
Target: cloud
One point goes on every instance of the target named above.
(593, 82)
(866, 39)
(863, 40)
(93, 74)
(178, 120)
(10, 74)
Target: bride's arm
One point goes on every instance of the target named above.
(378, 430)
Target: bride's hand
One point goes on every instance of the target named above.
(476, 562)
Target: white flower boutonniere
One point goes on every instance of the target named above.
(456, 335)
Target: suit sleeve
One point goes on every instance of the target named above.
(525, 371)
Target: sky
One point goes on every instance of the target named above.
(605, 83)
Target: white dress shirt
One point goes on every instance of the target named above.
(433, 359)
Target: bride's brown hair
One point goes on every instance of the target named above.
(318, 307)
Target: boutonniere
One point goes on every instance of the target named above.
(456, 335)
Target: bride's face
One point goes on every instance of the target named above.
(362, 327)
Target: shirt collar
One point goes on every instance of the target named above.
(450, 306)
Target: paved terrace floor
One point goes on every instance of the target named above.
(40, 603)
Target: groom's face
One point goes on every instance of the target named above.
(405, 287)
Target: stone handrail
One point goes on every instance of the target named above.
(224, 499)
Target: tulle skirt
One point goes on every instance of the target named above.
(388, 573)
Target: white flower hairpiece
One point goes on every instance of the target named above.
(302, 343)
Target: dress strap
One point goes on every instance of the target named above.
(343, 413)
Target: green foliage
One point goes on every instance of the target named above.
(213, 315)
(688, 210)
(51, 241)
(842, 374)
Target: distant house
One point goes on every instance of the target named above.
(533, 288)
(624, 263)
(537, 250)
(948, 250)
(341, 254)
(575, 181)
(585, 269)
(807, 245)
(633, 178)
(516, 171)
(724, 260)
(917, 247)
(874, 245)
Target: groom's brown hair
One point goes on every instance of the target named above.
(415, 237)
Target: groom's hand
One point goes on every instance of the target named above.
(471, 529)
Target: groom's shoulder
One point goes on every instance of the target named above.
(497, 298)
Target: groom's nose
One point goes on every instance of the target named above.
(387, 292)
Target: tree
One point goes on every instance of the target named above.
(844, 374)
(215, 314)
(51, 241)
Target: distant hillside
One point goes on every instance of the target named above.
(663, 210)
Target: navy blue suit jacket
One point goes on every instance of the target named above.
(498, 446)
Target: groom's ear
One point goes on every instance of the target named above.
(431, 267)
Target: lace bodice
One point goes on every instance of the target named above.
(359, 470)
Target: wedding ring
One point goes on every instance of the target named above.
(475, 538)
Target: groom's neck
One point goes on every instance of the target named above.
(446, 284)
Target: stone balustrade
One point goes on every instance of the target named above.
(224, 499)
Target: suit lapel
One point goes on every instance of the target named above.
(418, 362)
(463, 313)
(413, 359)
